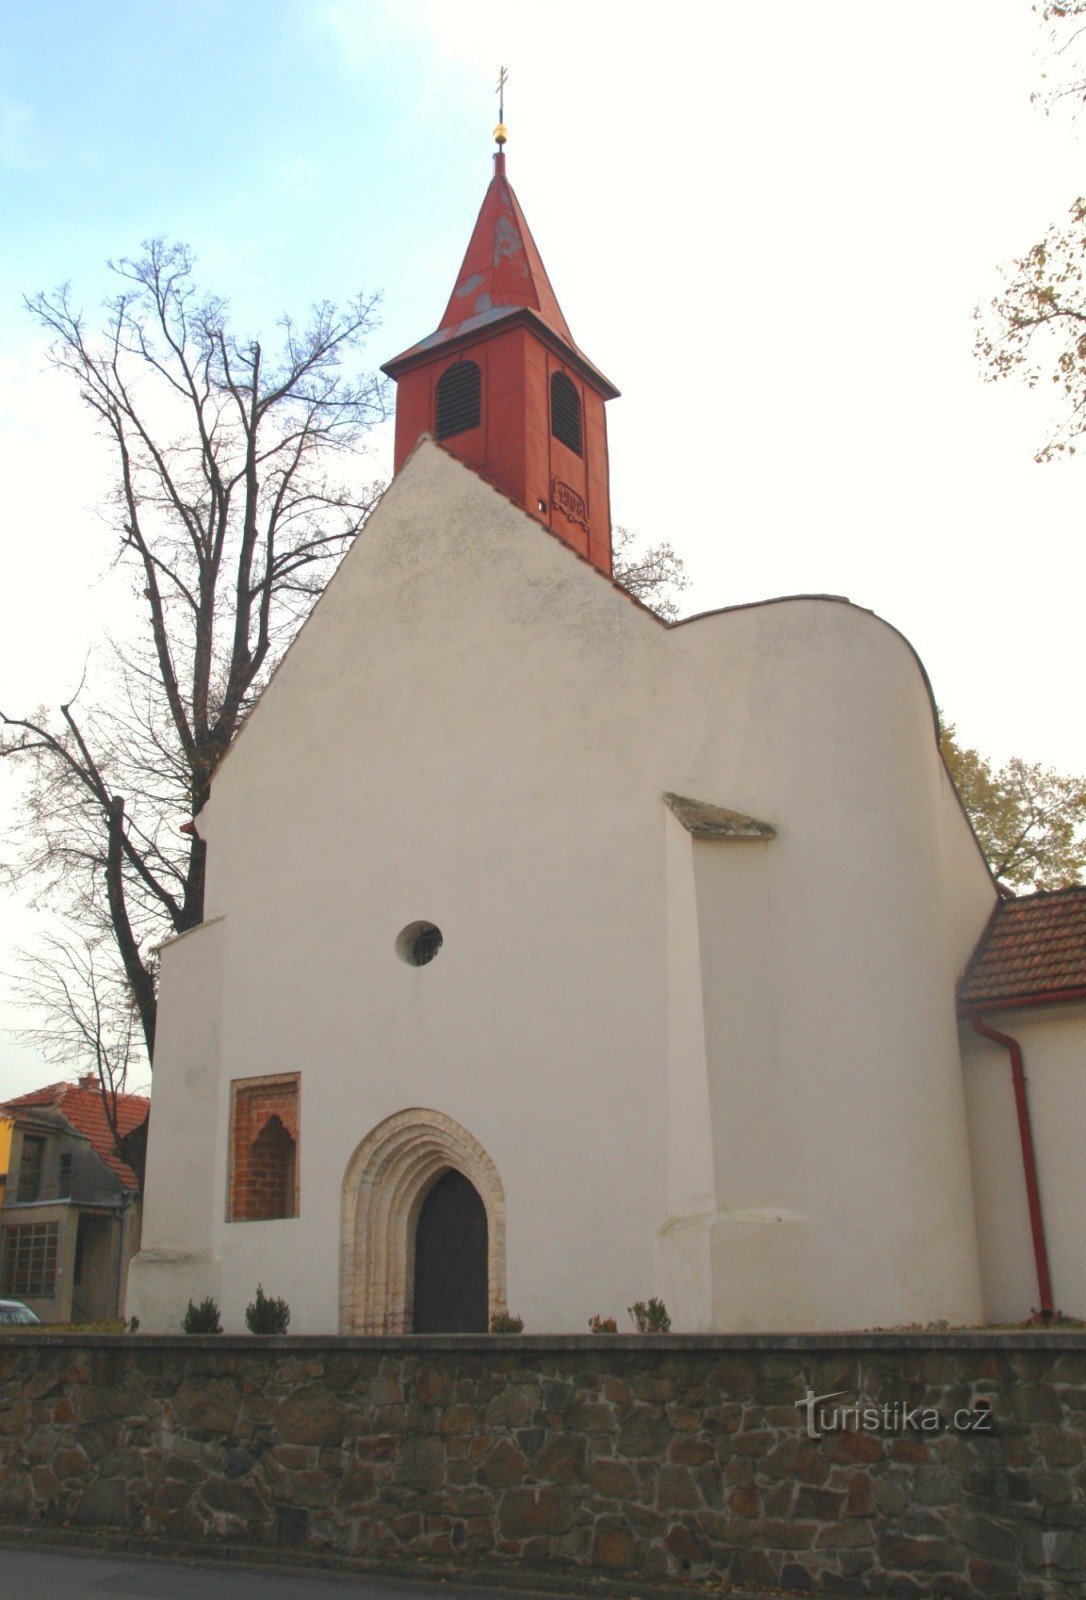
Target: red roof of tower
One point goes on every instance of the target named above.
(502, 276)
(83, 1110)
(502, 267)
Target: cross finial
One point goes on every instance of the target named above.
(500, 135)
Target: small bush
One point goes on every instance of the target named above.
(203, 1318)
(265, 1315)
(600, 1324)
(502, 1322)
(650, 1316)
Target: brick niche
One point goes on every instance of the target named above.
(264, 1138)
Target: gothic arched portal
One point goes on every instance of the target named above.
(450, 1276)
(385, 1190)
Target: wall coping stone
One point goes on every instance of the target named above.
(810, 1343)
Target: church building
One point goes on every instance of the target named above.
(556, 957)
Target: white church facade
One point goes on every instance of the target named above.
(555, 957)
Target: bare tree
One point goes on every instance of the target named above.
(227, 516)
(83, 1015)
(655, 575)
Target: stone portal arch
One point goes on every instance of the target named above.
(387, 1179)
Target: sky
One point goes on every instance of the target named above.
(769, 225)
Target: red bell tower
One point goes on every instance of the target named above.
(502, 385)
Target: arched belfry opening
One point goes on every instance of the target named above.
(458, 399)
(566, 413)
(422, 1229)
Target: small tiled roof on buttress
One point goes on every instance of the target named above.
(1033, 946)
(83, 1110)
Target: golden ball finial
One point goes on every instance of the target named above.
(501, 134)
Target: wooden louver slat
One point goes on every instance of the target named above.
(459, 399)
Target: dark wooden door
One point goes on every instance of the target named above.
(450, 1259)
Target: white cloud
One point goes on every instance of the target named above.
(17, 136)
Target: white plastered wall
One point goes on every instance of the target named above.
(842, 1165)
(475, 728)
(177, 1260)
(1053, 1044)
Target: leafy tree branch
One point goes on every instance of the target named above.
(1030, 820)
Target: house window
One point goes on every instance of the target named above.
(566, 413)
(264, 1129)
(30, 1260)
(459, 399)
(65, 1175)
(30, 1166)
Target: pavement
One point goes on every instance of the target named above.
(73, 1575)
(69, 1569)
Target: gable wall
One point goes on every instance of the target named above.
(475, 729)
(453, 738)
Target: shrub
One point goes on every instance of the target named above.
(600, 1324)
(203, 1318)
(502, 1322)
(266, 1315)
(650, 1316)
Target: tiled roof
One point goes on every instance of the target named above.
(1035, 945)
(82, 1108)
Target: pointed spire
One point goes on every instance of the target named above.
(501, 385)
(502, 276)
(502, 268)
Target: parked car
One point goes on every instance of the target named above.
(15, 1311)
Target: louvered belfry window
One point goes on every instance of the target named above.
(459, 399)
(566, 412)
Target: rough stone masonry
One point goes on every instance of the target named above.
(666, 1459)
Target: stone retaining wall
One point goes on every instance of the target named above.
(657, 1459)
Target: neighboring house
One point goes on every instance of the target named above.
(5, 1155)
(1023, 1008)
(71, 1216)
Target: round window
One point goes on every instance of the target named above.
(419, 943)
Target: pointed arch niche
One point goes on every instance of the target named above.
(386, 1182)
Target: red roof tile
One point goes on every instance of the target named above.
(83, 1110)
(1033, 946)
